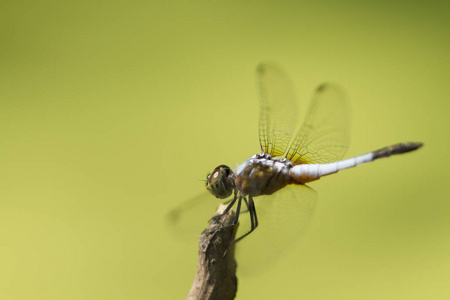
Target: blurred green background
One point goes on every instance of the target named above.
(112, 111)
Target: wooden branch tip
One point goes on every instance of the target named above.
(216, 267)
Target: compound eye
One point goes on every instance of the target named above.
(216, 175)
(218, 182)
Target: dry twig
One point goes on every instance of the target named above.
(216, 269)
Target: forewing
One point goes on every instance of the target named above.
(324, 135)
(189, 219)
(282, 218)
(278, 110)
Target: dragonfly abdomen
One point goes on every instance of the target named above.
(304, 173)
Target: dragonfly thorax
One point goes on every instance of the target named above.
(262, 175)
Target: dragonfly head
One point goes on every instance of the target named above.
(220, 182)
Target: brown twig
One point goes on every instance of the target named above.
(216, 269)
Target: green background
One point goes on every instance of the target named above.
(112, 111)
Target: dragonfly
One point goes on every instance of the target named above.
(291, 157)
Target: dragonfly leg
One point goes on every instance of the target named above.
(238, 210)
(252, 204)
(250, 208)
(253, 218)
(228, 207)
(229, 201)
(252, 223)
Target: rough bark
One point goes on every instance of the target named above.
(216, 268)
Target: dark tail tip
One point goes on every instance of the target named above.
(413, 146)
(405, 147)
(396, 149)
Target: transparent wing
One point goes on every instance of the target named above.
(282, 218)
(278, 110)
(189, 219)
(324, 135)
